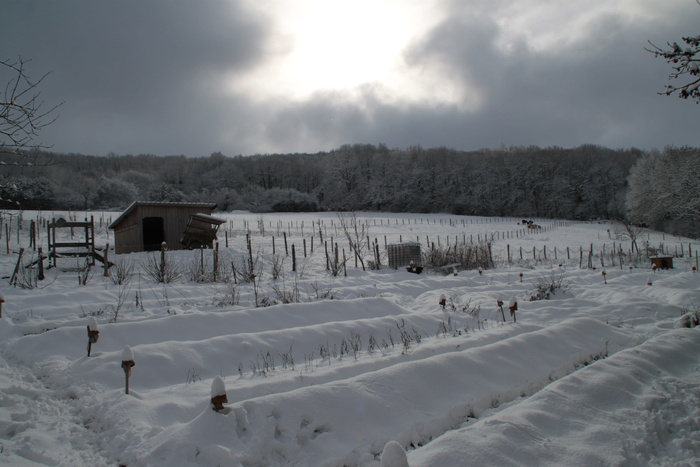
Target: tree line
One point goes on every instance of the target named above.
(582, 183)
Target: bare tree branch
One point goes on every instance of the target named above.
(23, 114)
(685, 61)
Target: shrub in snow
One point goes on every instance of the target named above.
(394, 455)
(688, 320)
(546, 287)
(122, 272)
(464, 257)
(163, 271)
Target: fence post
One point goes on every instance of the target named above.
(106, 259)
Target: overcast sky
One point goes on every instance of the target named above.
(260, 76)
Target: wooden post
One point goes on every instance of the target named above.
(32, 234)
(13, 279)
(216, 260)
(294, 259)
(201, 260)
(250, 256)
(106, 263)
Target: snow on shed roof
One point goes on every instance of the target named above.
(164, 204)
(207, 218)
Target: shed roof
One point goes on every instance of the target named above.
(163, 204)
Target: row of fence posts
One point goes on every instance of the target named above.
(333, 257)
(322, 226)
(615, 251)
(373, 246)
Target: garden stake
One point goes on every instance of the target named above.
(127, 363)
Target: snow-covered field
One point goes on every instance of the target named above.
(363, 369)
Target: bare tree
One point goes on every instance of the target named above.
(630, 231)
(357, 233)
(22, 113)
(685, 60)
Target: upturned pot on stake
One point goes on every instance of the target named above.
(499, 302)
(218, 394)
(93, 333)
(513, 306)
(127, 363)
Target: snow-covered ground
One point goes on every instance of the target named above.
(363, 369)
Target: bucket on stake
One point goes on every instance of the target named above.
(93, 333)
(218, 394)
(127, 363)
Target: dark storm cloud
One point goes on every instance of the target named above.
(598, 89)
(147, 77)
(134, 75)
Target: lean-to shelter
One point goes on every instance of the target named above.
(145, 225)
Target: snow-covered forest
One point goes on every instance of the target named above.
(586, 182)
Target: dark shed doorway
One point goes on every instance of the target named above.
(153, 233)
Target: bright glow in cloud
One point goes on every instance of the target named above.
(341, 45)
(346, 45)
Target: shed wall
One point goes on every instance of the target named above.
(129, 237)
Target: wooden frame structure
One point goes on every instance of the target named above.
(82, 248)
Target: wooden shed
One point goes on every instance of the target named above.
(662, 262)
(145, 225)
